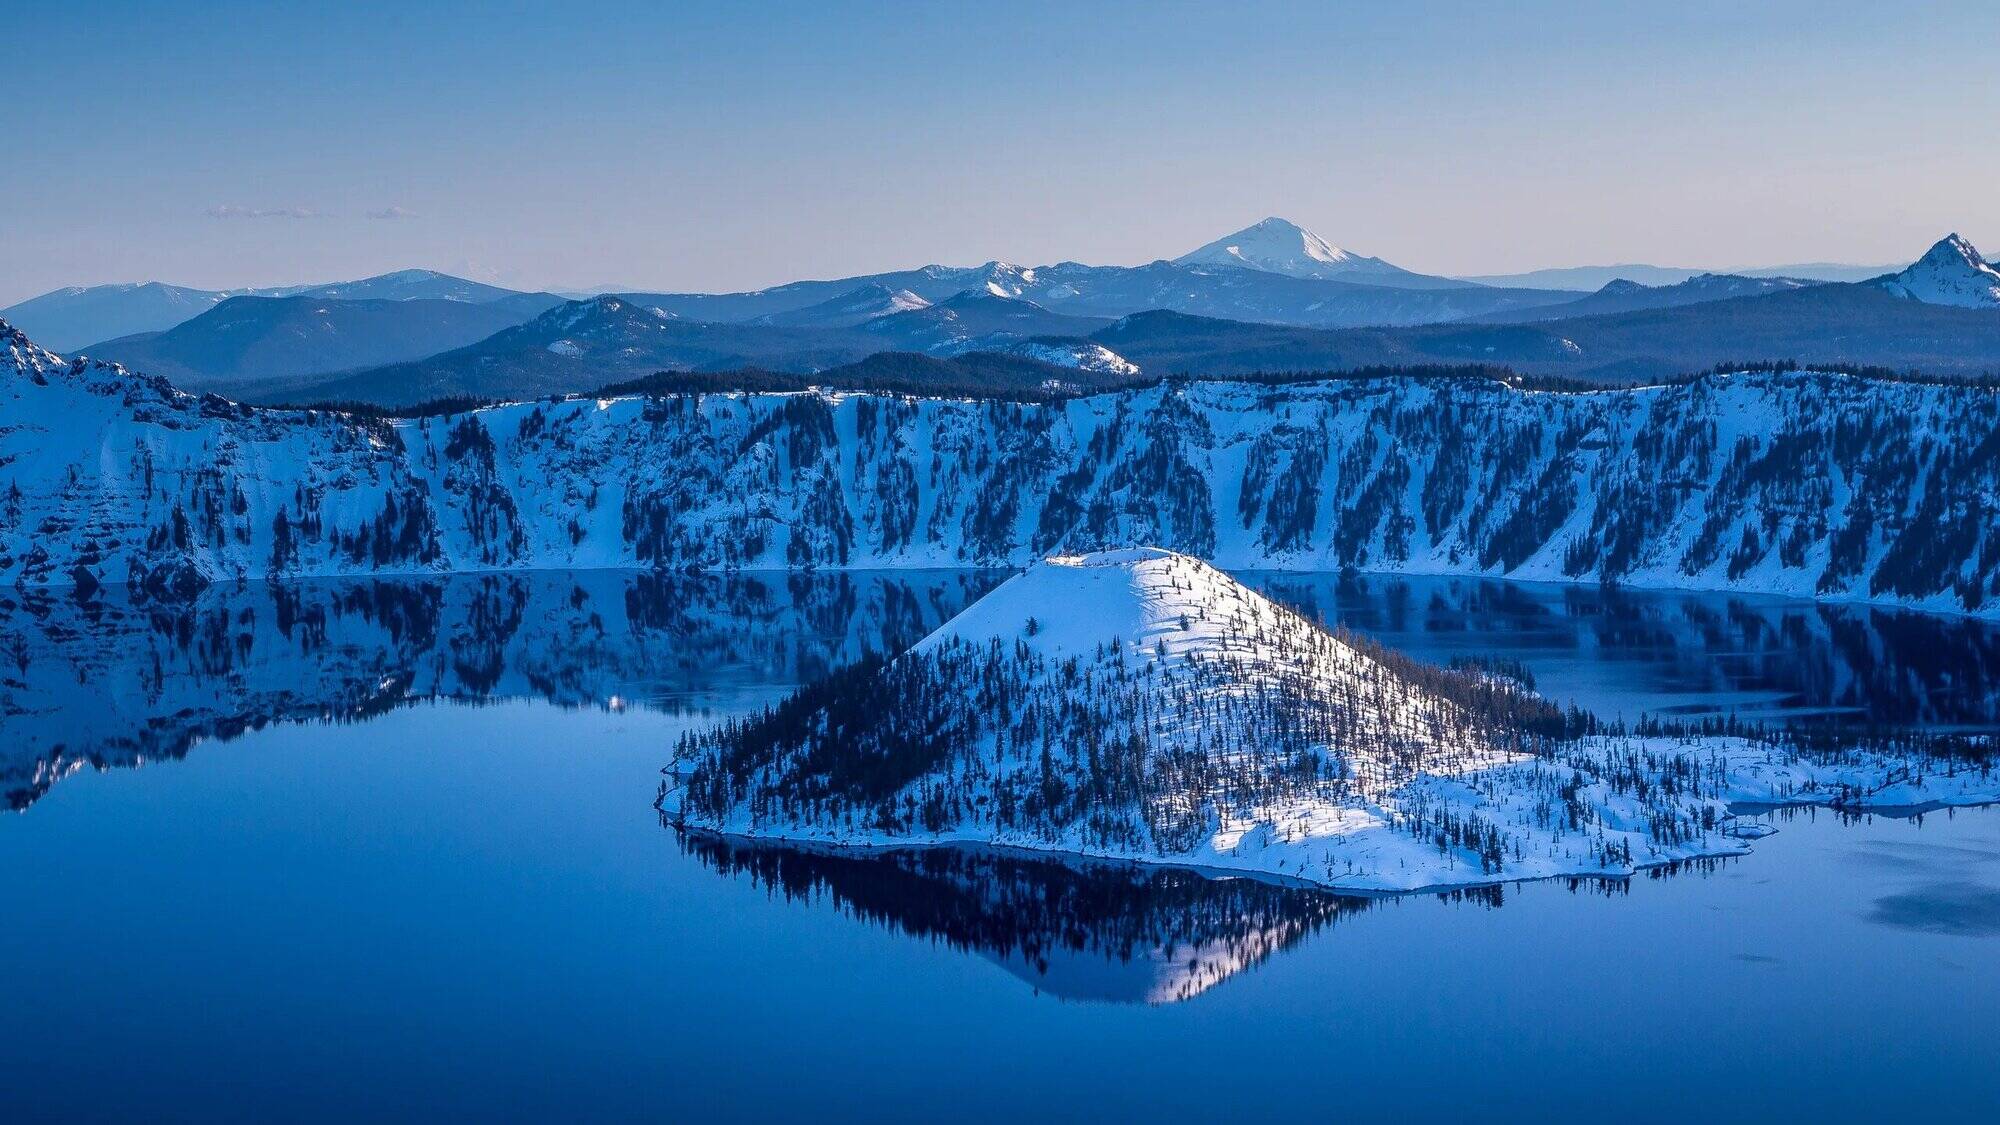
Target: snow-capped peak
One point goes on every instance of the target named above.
(1950, 273)
(21, 359)
(1280, 246)
(1140, 596)
(25, 357)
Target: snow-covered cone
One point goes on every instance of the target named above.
(1141, 703)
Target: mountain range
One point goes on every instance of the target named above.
(245, 344)
(1272, 297)
(75, 317)
(1625, 295)
(1624, 333)
(578, 346)
(1587, 279)
(1272, 271)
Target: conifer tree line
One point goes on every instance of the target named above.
(1200, 930)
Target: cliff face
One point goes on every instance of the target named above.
(1801, 483)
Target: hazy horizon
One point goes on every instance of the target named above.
(715, 151)
(616, 286)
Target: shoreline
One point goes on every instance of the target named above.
(1083, 858)
(1930, 607)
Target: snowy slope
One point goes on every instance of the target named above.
(1805, 484)
(971, 321)
(1083, 355)
(78, 316)
(1625, 295)
(863, 303)
(1141, 704)
(1950, 273)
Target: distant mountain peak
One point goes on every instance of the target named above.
(1951, 272)
(1956, 243)
(1276, 245)
(1285, 231)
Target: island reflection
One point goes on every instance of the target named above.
(1085, 929)
(1072, 928)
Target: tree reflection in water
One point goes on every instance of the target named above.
(1078, 928)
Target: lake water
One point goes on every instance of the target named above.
(374, 850)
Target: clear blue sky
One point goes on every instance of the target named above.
(732, 146)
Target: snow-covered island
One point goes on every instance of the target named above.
(1141, 704)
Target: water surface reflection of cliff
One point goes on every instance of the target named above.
(116, 679)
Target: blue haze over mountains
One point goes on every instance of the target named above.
(1271, 297)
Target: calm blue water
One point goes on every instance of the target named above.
(390, 855)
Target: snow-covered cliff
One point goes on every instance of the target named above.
(1795, 483)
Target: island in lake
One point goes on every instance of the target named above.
(1142, 705)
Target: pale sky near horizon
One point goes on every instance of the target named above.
(722, 147)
